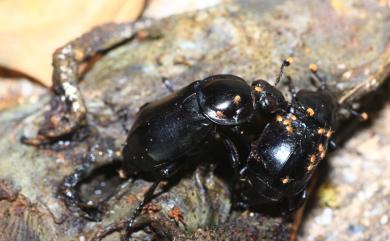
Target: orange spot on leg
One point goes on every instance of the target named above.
(313, 158)
(310, 167)
(322, 155)
(321, 148)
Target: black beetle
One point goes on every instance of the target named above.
(168, 133)
(283, 159)
(168, 130)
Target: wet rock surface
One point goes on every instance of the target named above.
(348, 41)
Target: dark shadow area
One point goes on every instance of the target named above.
(102, 183)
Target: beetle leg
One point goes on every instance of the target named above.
(115, 227)
(67, 109)
(168, 84)
(363, 116)
(70, 193)
(293, 203)
(285, 63)
(313, 70)
(332, 145)
(162, 226)
(147, 197)
(140, 222)
(346, 109)
(233, 153)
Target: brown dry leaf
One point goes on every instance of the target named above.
(164, 8)
(30, 30)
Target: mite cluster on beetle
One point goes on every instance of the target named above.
(284, 157)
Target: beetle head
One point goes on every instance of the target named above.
(267, 98)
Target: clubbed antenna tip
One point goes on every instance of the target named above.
(289, 61)
(313, 68)
(364, 116)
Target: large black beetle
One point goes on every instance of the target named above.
(172, 128)
(169, 133)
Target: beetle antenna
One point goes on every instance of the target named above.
(363, 116)
(313, 70)
(168, 84)
(285, 63)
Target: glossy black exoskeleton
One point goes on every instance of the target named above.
(284, 157)
(167, 131)
(167, 134)
(272, 164)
